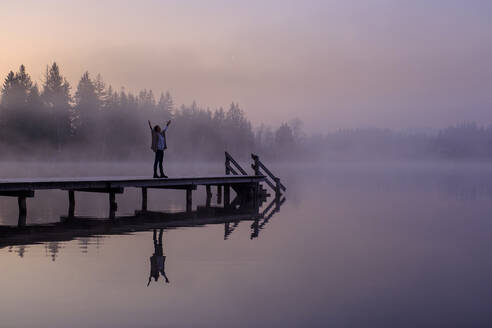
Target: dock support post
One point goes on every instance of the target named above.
(219, 194)
(209, 195)
(22, 211)
(188, 200)
(113, 206)
(144, 199)
(71, 203)
(227, 195)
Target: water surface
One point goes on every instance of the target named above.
(354, 245)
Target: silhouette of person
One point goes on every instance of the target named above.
(157, 260)
(158, 146)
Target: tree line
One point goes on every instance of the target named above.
(94, 121)
(465, 141)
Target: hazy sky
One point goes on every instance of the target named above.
(332, 63)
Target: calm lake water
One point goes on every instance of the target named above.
(354, 245)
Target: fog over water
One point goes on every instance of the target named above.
(355, 245)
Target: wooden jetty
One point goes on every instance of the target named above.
(248, 188)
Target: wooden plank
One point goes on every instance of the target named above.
(20, 193)
(119, 182)
(233, 161)
(101, 190)
(186, 187)
(231, 169)
(270, 184)
(270, 174)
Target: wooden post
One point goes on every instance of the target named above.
(188, 200)
(227, 188)
(256, 168)
(227, 195)
(227, 164)
(144, 199)
(219, 194)
(256, 165)
(71, 203)
(209, 195)
(22, 211)
(113, 206)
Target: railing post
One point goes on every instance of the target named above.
(256, 169)
(227, 188)
(256, 165)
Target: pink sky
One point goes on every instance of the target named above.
(383, 63)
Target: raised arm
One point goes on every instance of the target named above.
(150, 125)
(167, 125)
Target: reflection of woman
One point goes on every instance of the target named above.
(157, 260)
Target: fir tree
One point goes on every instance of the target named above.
(56, 96)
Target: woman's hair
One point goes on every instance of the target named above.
(157, 128)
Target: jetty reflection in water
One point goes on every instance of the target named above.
(86, 229)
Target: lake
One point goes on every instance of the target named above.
(354, 245)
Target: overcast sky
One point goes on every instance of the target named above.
(333, 63)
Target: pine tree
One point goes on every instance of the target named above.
(8, 89)
(165, 106)
(100, 89)
(16, 88)
(87, 106)
(86, 95)
(24, 79)
(34, 100)
(56, 96)
(21, 108)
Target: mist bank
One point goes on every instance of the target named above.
(94, 122)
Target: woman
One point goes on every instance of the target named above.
(158, 146)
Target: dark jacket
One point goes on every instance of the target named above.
(155, 138)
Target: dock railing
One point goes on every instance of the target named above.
(233, 167)
(272, 181)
